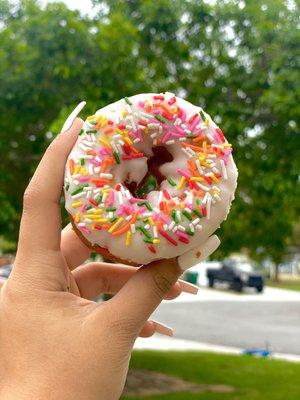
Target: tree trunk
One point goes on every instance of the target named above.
(276, 272)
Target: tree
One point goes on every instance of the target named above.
(237, 59)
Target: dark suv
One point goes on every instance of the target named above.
(237, 274)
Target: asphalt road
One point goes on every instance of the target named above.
(234, 320)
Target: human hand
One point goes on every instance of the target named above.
(55, 341)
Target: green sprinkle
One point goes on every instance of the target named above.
(203, 117)
(128, 101)
(98, 198)
(160, 118)
(198, 213)
(79, 189)
(146, 204)
(145, 232)
(117, 157)
(113, 219)
(190, 136)
(198, 202)
(171, 182)
(67, 186)
(110, 209)
(146, 240)
(187, 215)
(174, 216)
(189, 232)
(82, 161)
(81, 132)
(89, 207)
(91, 131)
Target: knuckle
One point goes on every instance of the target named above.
(162, 283)
(124, 327)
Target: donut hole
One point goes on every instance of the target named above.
(153, 178)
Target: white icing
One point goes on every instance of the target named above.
(134, 170)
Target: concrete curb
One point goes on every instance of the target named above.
(157, 342)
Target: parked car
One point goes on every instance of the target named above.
(237, 274)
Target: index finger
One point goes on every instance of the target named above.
(41, 220)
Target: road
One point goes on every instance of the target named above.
(239, 320)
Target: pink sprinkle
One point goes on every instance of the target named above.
(189, 205)
(82, 208)
(111, 198)
(85, 230)
(184, 173)
(194, 123)
(140, 135)
(121, 210)
(166, 137)
(84, 179)
(182, 114)
(141, 104)
(181, 234)
(135, 200)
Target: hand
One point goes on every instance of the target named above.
(55, 341)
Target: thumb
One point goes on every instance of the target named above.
(141, 295)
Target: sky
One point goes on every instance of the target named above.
(85, 6)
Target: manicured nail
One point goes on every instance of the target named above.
(69, 121)
(188, 287)
(163, 329)
(193, 257)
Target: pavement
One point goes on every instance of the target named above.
(218, 319)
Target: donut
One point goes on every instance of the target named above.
(150, 177)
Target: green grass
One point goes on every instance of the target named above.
(253, 379)
(290, 284)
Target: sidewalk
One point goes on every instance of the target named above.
(162, 343)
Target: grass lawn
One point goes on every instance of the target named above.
(253, 379)
(290, 284)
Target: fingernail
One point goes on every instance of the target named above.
(188, 287)
(193, 257)
(163, 329)
(69, 121)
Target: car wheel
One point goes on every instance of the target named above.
(211, 282)
(238, 286)
(259, 289)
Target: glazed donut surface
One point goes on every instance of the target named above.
(150, 177)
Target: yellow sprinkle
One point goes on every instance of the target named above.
(124, 113)
(115, 225)
(90, 117)
(128, 238)
(214, 178)
(156, 241)
(83, 171)
(226, 145)
(100, 220)
(127, 140)
(181, 183)
(197, 179)
(182, 205)
(207, 121)
(151, 222)
(119, 131)
(77, 217)
(77, 169)
(76, 204)
(98, 211)
(105, 142)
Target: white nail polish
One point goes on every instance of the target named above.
(163, 329)
(193, 257)
(69, 121)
